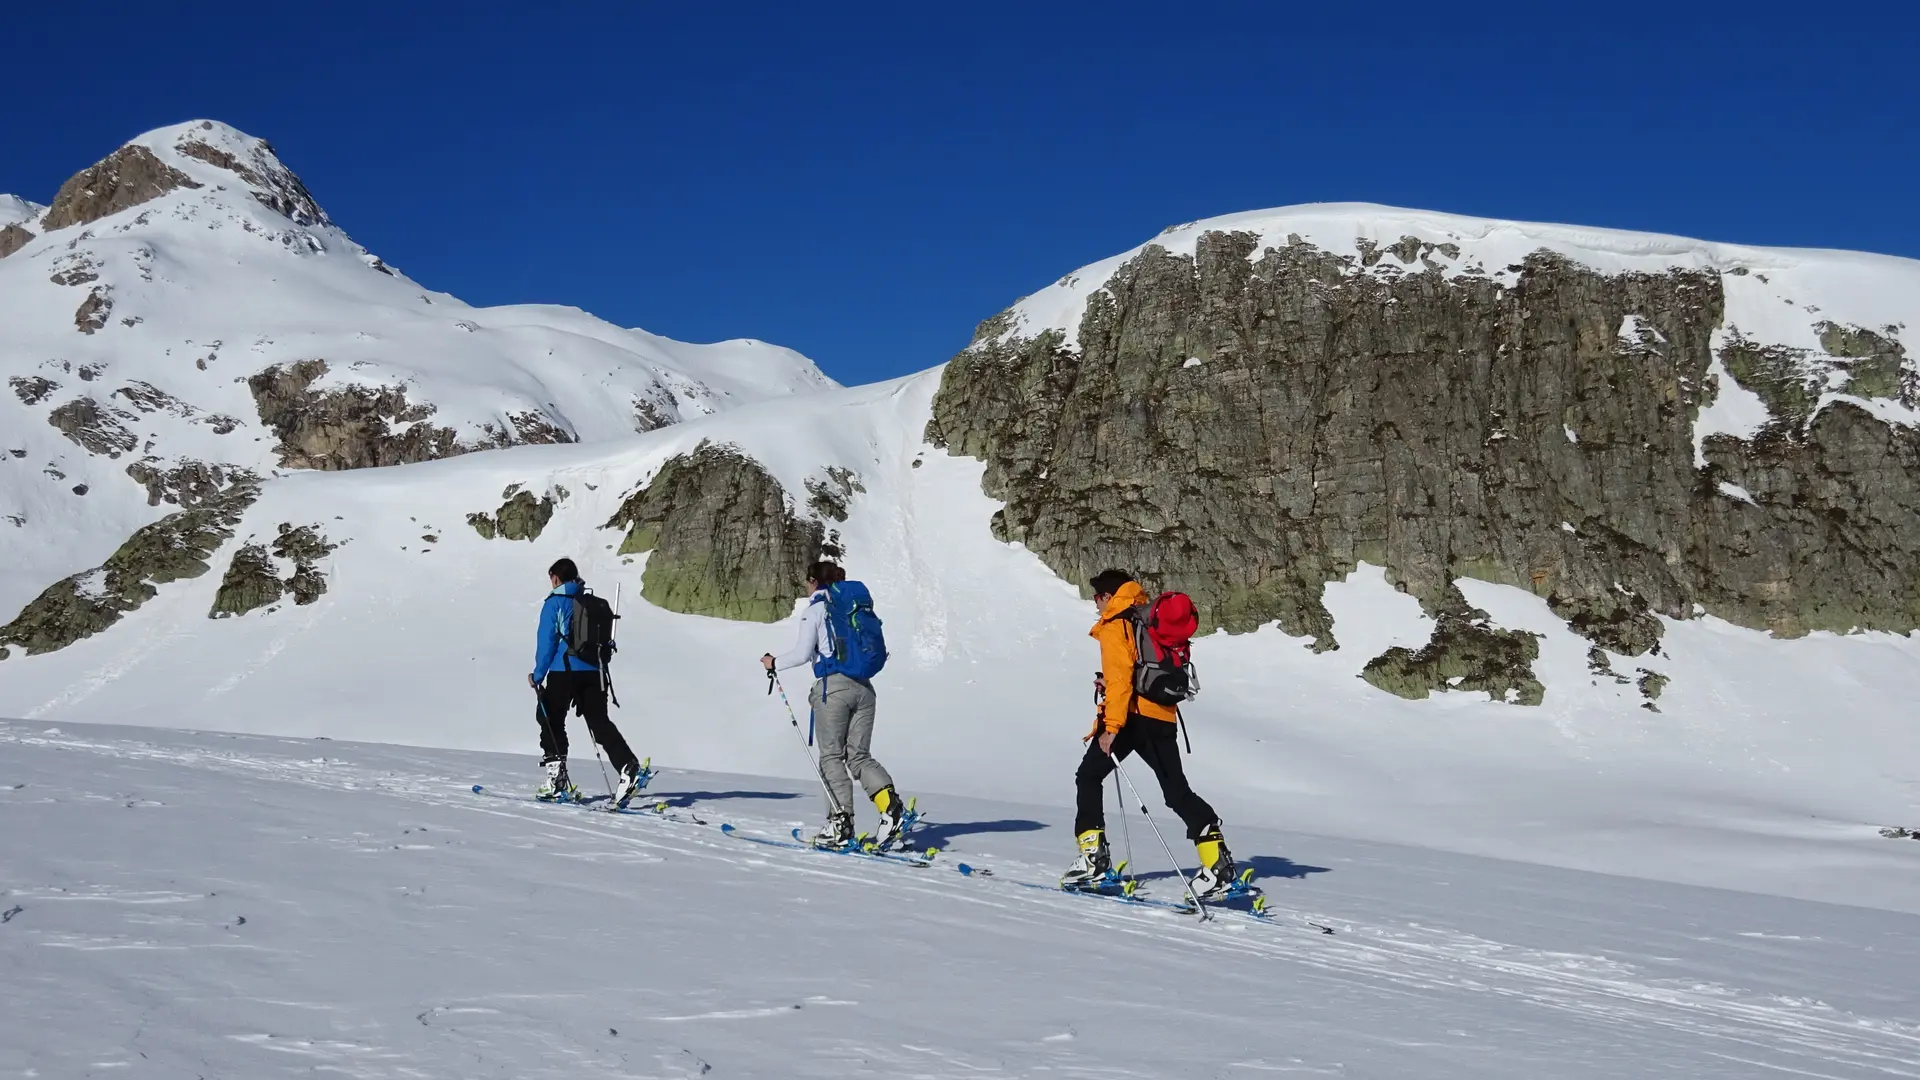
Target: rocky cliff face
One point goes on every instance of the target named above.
(1249, 421)
(723, 537)
(128, 177)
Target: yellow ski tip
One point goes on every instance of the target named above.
(1246, 876)
(913, 803)
(1121, 869)
(932, 851)
(1127, 889)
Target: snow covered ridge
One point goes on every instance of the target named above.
(186, 306)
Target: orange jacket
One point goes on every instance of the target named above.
(1114, 632)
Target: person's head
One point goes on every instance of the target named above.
(1106, 583)
(824, 573)
(563, 571)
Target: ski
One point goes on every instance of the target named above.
(1113, 887)
(1121, 890)
(798, 844)
(584, 802)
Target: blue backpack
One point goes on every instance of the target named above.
(859, 647)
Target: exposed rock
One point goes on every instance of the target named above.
(186, 483)
(1876, 365)
(92, 428)
(95, 310)
(254, 579)
(724, 540)
(128, 177)
(1418, 421)
(353, 426)
(75, 270)
(175, 547)
(32, 389)
(1895, 832)
(13, 238)
(520, 517)
(1463, 654)
(1651, 684)
(252, 582)
(650, 415)
(345, 428)
(829, 497)
(303, 546)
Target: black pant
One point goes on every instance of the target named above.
(559, 694)
(1158, 744)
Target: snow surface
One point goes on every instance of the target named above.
(365, 915)
(15, 210)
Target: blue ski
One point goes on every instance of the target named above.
(1114, 888)
(798, 844)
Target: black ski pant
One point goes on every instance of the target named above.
(1158, 744)
(560, 693)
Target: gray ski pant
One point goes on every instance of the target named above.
(843, 728)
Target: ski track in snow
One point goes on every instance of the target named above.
(943, 953)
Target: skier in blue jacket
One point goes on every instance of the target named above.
(563, 681)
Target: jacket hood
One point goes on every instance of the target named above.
(569, 588)
(1127, 597)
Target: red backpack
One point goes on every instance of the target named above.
(1163, 639)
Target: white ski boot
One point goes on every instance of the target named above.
(837, 833)
(632, 780)
(557, 788)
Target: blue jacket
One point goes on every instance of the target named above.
(556, 625)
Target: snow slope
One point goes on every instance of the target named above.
(366, 916)
(988, 690)
(209, 285)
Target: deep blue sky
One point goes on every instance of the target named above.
(867, 185)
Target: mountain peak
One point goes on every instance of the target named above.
(196, 154)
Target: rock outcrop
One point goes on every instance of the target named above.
(186, 483)
(13, 238)
(95, 429)
(1250, 422)
(258, 576)
(351, 427)
(175, 547)
(126, 178)
(723, 537)
(360, 427)
(520, 516)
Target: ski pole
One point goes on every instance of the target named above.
(1184, 880)
(774, 683)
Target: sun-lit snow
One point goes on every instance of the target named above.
(217, 905)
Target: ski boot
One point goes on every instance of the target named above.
(632, 780)
(837, 833)
(896, 817)
(1094, 868)
(1216, 880)
(557, 788)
